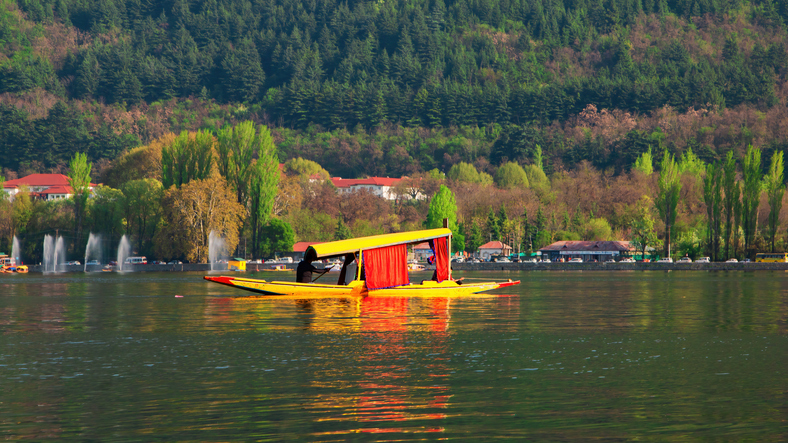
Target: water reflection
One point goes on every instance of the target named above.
(566, 356)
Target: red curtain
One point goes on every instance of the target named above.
(386, 267)
(440, 247)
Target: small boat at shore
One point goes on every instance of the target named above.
(381, 269)
(278, 268)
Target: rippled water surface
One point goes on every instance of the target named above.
(566, 356)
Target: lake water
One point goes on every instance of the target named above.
(567, 356)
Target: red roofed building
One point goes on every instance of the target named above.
(492, 248)
(380, 186)
(300, 247)
(587, 250)
(42, 186)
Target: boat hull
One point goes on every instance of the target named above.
(358, 289)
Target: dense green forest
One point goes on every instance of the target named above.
(485, 81)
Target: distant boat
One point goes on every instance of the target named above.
(382, 270)
(277, 268)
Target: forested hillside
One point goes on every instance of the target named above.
(480, 81)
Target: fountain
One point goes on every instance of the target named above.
(93, 249)
(217, 251)
(16, 252)
(54, 254)
(124, 250)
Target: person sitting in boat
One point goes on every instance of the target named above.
(348, 272)
(431, 261)
(306, 268)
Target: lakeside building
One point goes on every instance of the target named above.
(299, 248)
(422, 251)
(380, 186)
(493, 248)
(42, 186)
(588, 250)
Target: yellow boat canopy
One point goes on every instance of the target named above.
(348, 246)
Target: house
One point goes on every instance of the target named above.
(422, 251)
(380, 186)
(494, 248)
(299, 248)
(588, 250)
(42, 186)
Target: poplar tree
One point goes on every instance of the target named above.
(712, 196)
(79, 180)
(668, 195)
(732, 194)
(264, 183)
(189, 157)
(775, 190)
(751, 197)
(235, 148)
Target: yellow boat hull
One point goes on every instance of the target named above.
(358, 288)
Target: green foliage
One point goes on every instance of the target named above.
(106, 211)
(235, 147)
(443, 206)
(53, 140)
(264, 182)
(644, 163)
(732, 191)
(668, 194)
(691, 164)
(643, 232)
(775, 189)
(305, 168)
(511, 175)
(79, 180)
(598, 229)
(463, 172)
(276, 236)
(342, 232)
(712, 196)
(189, 157)
(751, 196)
(537, 179)
(142, 211)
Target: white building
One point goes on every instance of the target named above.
(493, 248)
(42, 186)
(380, 186)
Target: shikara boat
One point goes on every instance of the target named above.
(381, 269)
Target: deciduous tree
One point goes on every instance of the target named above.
(188, 157)
(643, 233)
(142, 209)
(443, 205)
(265, 178)
(751, 196)
(668, 195)
(79, 180)
(775, 188)
(732, 194)
(511, 175)
(192, 212)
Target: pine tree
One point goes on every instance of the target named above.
(493, 227)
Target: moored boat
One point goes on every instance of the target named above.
(377, 266)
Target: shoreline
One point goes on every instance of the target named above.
(604, 266)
